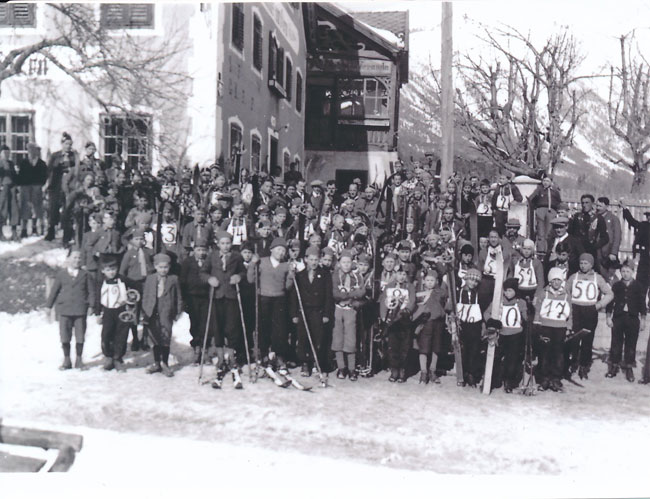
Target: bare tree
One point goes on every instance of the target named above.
(122, 74)
(521, 108)
(629, 110)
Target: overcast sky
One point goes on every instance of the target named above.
(596, 24)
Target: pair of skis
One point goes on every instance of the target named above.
(285, 380)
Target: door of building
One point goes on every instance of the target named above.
(345, 177)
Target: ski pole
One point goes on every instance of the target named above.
(323, 380)
(256, 331)
(205, 335)
(243, 327)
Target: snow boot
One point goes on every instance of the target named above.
(166, 370)
(353, 375)
(154, 368)
(79, 364)
(433, 377)
(424, 377)
(506, 387)
(67, 364)
(236, 380)
(342, 373)
(402, 376)
(471, 382)
(135, 344)
(14, 234)
(120, 366)
(197, 356)
(304, 371)
(544, 385)
(218, 380)
(611, 371)
(556, 386)
(108, 365)
(583, 372)
(629, 374)
(394, 374)
(23, 233)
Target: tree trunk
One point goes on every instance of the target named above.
(638, 183)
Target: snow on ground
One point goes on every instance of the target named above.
(34, 249)
(601, 431)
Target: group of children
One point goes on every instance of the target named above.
(284, 284)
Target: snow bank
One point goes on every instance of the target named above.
(34, 249)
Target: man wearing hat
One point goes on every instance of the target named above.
(275, 279)
(366, 202)
(544, 202)
(560, 235)
(589, 227)
(513, 238)
(317, 196)
(315, 287)
(162, 304)
(590, 294)
(196, 293)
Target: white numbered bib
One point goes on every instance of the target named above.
(484, 210)
(503, 202)
(168, 192)
(584, 292)
(400, 295)
(325, 222)
(526, 276)
(169, 233)
(469, 312)
(337, 246)
(113, 295)
(148, 239)
(511, 316)
(490, 266)
(421, 297)
(238, 233)
(214, 197)
(555, 309)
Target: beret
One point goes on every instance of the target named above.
(161, 258)
(278, 241)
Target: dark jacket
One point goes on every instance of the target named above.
(541, 197)
(190, 278)
(314, 295)
(72, 295)
(130, 266)
(591, 229)
(575, 250)
(169, 305)
(641, 245)
(214, 268)
(633, 295)
(29, 174)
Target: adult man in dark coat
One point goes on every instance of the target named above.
(61, 164)
(560, 234)
(590, 228)
(641, 244)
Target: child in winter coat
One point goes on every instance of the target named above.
(396, 304)
(110, 302)
(348, 291)
(554, 317)
(623, 317)
(73, 293)
(510, 348)
(430, 314)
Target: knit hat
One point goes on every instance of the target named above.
(364, 258)
(312, 250)
(345, 253)
(528, 243)
(587, 257)
(223, 234)
(555, 273)
(278, 241)
(511, 283)
(473, 275)
(327, 251)
(161, 258)
(107, 260)
(137, 233)
(294, 244)
(467, 249)
(247, 245)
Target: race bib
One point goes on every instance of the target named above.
(484, 210)
(169, 233)
(526, 276)
(469, 312)
(557, 310)
(503, 202)
(396, 297)
(113, 295)
(511, 316)
(584, 292)
(490, 267)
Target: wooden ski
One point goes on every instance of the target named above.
(454, 326)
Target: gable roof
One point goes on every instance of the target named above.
(396, 21)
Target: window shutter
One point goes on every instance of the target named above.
(134, 15)
(17, 14)
(279, 72)
(258, 43)
(4, 14)
(288, 80)
(238, 25)
(140, 15)
(114, 15)
(273, 54)
(298, 92)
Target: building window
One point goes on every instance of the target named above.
(236, 136)
(288, 80)
(127, 15)
(362, 97)
(127, 137)
(256, 153)
(279, 69)
(273, 56)
(16, 130)
(238, 26)
(258, 43)
(298, 92)
(17, 15)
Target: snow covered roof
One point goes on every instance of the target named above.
(392, 25)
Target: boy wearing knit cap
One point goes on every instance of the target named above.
(316, 300)
(590, 293)
(348, 290)
(162, 305)
(470, 318)
(275, 279)
(623, 317)
(510, 348)
(397, 303)
(553, 316)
